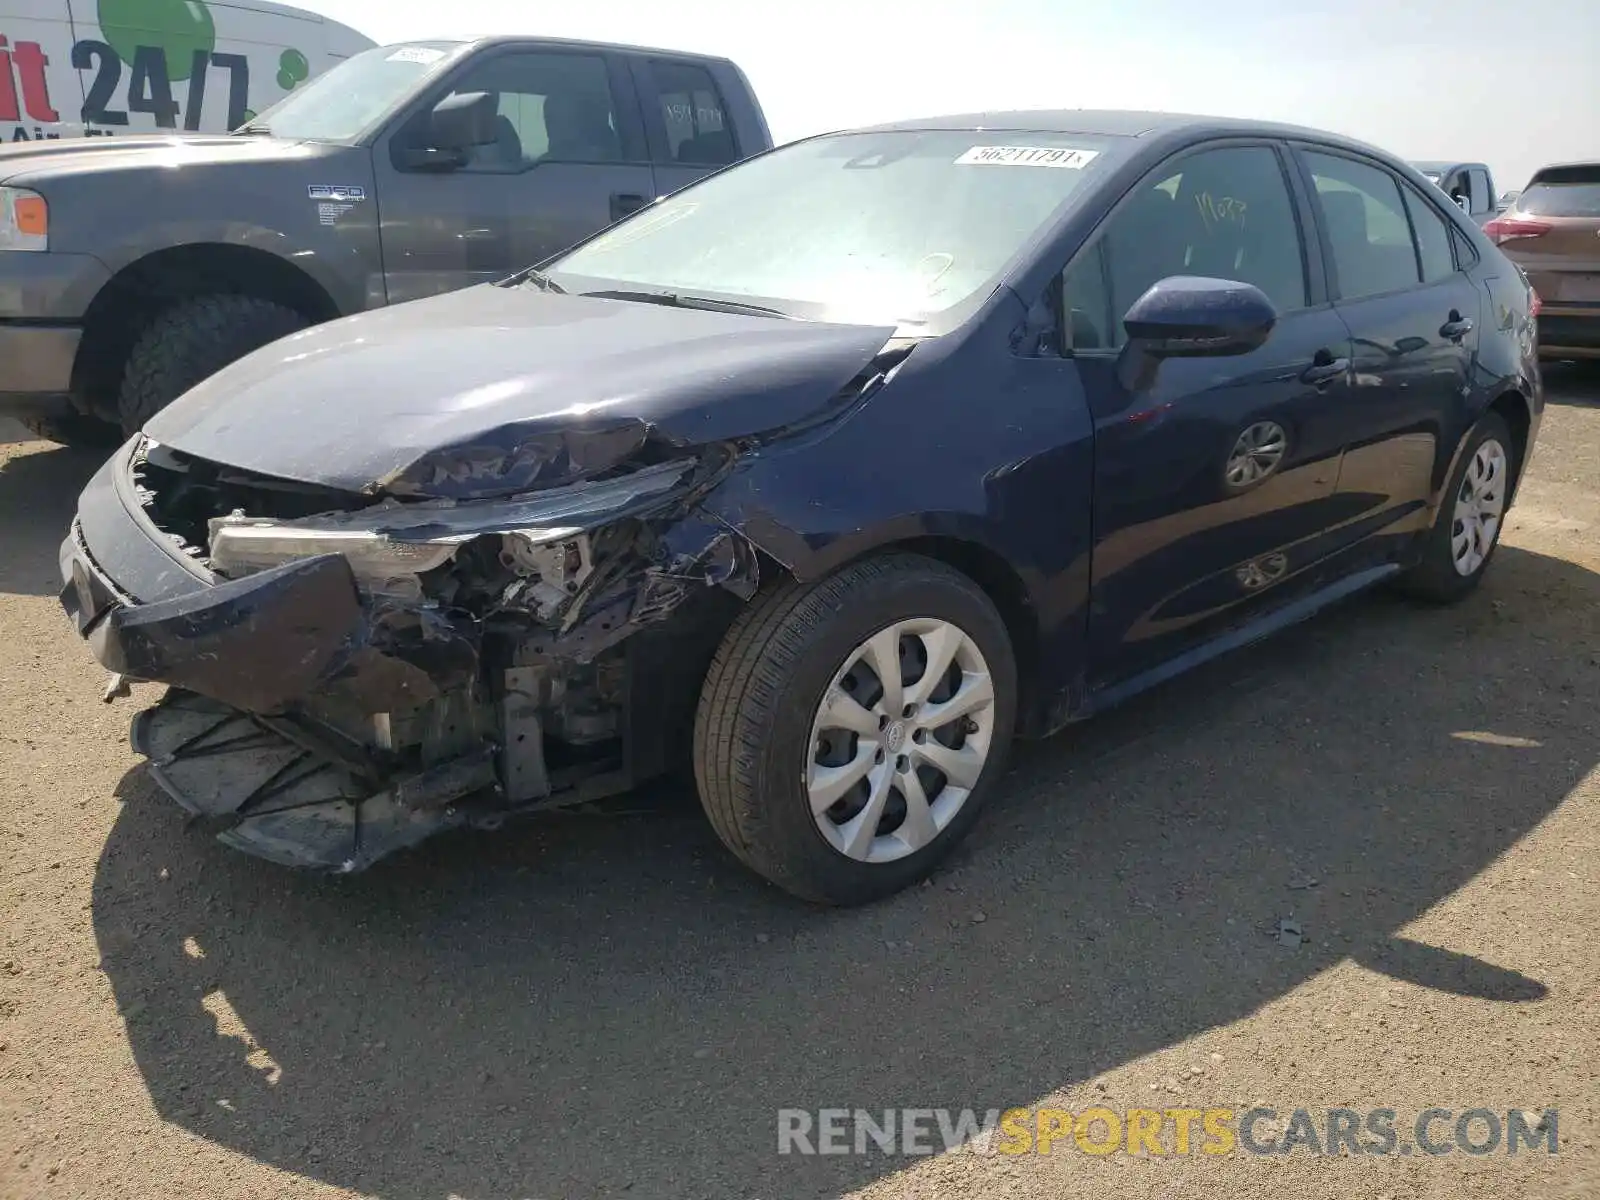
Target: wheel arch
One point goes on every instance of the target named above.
(145, 287)
(973, 557)
(1514, 408)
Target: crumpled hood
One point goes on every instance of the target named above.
(38, 162)
(494, 390)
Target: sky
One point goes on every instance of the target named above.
(1512, 83)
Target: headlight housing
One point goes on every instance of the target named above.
(24, 220)
(391, 545)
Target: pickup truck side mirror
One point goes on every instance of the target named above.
(464, 120)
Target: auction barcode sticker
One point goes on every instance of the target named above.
(1028, 156)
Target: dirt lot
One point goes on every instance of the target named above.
(586, 1007)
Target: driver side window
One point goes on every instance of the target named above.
(555, 107)
(1223, 213)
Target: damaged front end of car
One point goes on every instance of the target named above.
(359, 674)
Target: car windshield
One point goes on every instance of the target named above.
(340, 105)
(886, 227)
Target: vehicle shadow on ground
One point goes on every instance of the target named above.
(1573, 382)
(580, 1006)
(38, 495)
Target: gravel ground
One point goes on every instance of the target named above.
(585, 1007)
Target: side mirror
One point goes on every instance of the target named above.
(462, 121)
(1188, 316)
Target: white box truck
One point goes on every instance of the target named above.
(96, 68)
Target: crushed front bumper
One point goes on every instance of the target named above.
(316, 725)
(235, 655)
(255, 644)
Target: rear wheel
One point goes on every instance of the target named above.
(190, 342)
(849, 731)
(1466, 530)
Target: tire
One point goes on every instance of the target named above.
(72, 429)
(190, 342)
(754, 726)
(1437, 578)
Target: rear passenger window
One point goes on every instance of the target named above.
(1366, 224)
(1223, 213)
(698, 133)
(1433, 238)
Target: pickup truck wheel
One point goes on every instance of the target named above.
(192, 341)
(850, 730)
(72, 430)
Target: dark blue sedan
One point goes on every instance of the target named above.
(819, 480)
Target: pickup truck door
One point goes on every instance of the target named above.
(569, 159)
(690, 127)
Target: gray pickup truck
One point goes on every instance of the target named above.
(1469, 184)
(131, 268)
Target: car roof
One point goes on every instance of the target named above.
(1119, 123)
(586, 44)
(1444, 166)
(1587, 164)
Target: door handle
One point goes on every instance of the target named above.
(623, 203)
(1324, 369)
(1457, 327)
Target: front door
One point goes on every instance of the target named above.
(1413, 314)
(565, 163)
(1213, 482)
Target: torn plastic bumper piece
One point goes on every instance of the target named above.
(255, 643)
(274, 796)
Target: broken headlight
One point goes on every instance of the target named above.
(389, 545)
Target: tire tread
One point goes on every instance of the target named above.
(748, 681)
(193, 340)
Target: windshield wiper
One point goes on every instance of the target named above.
(253, 130)
(680, 300)
(536, 277)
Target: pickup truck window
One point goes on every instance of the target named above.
(694, 115)
(553, 107)
(344, 103)
(1482, 192)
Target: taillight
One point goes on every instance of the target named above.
(1535, 304)
(1510, 229)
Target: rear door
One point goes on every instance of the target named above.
(1414, 316)
(1212, 485)
(687, 123)
(569, 158)
(1553, 233)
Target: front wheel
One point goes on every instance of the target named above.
(849, 731)
(1466, 530)
(190, 342)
